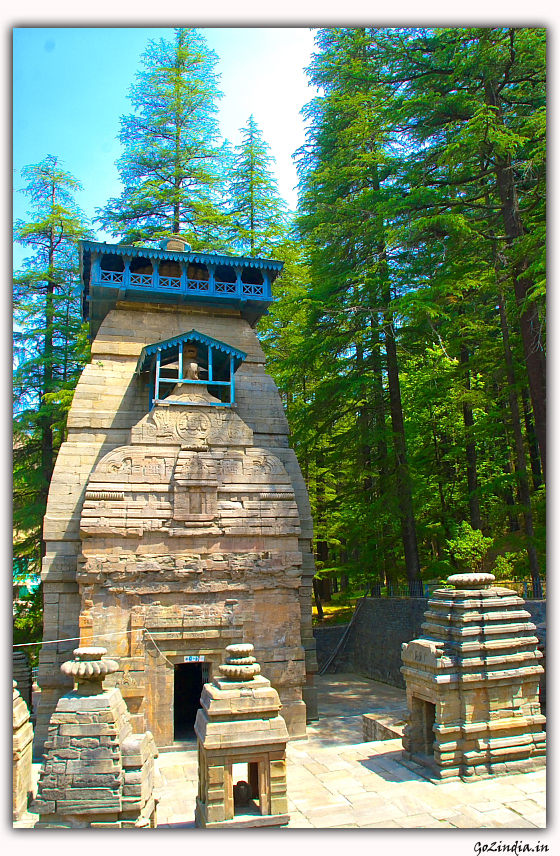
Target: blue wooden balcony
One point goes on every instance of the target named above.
(115, 272)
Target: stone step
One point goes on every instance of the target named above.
(384, 726)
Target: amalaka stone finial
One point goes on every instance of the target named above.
(174, 242)
(470, 581)
(240, 665)
(89, 668)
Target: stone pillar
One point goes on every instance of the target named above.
(21, 674)
(22, 754)
(472, 683)
(240, 724)
(96, 772)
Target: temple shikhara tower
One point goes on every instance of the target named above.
(178, 521)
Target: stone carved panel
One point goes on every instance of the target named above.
(176, 483)
(129, 464)
(194, 504)
(192, 426)
(195, 482)
(264, 465)
(231, 467)
(196, 468)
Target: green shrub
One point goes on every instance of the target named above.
(468, 547)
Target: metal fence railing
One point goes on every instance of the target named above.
(524, 588)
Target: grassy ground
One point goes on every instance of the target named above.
(339, 610)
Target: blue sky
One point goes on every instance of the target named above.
(71, 85)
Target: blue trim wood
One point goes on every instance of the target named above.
(104, 287)
(168, 354)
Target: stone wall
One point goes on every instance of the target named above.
(537, 609)
(373, 647)
(327, 638)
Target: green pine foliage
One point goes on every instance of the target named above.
(173, 162)
(408, 334)
(404, 237)
(258, 212)
(50, 342)
(468, 547)
(28, 623)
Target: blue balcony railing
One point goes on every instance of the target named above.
(183, 284)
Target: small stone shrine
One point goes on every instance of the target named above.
(178, 520)
(240, 724)
(22, 754)
(472, 684)
(96, 772)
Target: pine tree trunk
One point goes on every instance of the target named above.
(318, 604)
(531, 440)
(404, 485)
(508, 493)
(322, 545)
(381, 462)
(529, 321)
(324, 585)
(176, 212)
(470, 449)
(521, 463)
(47, 439)
(364, 448)
(252, 198)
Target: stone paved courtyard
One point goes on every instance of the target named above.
(337, 781)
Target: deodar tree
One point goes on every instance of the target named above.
(258, 213)
(346, 167)
(471, 107)
(173, 165)
(421, 334)
(50, 343)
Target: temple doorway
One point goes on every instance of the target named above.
(423, 719)
(429, 717)
(188, 681)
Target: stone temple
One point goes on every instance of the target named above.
(178, 521)
(472, 683)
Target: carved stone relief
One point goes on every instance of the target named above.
(189, 471)
(193, 426)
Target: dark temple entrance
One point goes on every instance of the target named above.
(189, 678)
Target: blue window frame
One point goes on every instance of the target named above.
(167, 363)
